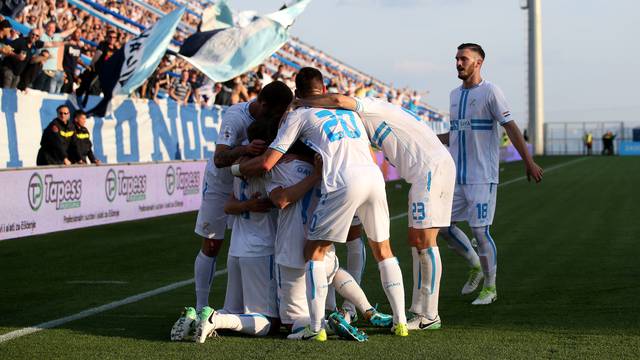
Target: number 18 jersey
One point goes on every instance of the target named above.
(337, 135)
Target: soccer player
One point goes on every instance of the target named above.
(421, 159)
(250, 304)
(211, 223)
(294, 188)
(351, 184)
(477, 108)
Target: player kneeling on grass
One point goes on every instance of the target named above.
(294, 187)
(250, 304)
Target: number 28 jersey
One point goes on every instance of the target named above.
(337, 135)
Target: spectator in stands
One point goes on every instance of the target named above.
(263, 74)
(181, 88)
(5, 38)
(239, 93)
(14, 64)
(72, 53)
(33, 68)
(80, 148)
(196, 83)
(51, 78)
(279, 75)
(56, 139)
(89, 84)
(223, 97)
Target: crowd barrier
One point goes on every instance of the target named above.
(47, 199)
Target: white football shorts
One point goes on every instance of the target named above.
(475, 204)
(431, 196)
(251, 286)
(212, 220)
(365, 197)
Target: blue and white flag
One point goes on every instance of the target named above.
(133, 63)
(226, 53)
(216, 16)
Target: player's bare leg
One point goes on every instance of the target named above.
(427, 280)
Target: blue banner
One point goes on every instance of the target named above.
(629, 148)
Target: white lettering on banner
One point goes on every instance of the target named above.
(138, 131)
(55, 199)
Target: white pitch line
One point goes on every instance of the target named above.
(135, 298)
(96, 282)
(96, 310)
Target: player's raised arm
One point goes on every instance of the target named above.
(226, 155)
(234, 206)
(330, 101)
(533, 170)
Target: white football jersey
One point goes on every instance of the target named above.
(337, 135)
(233, 132)
(293, 220)
(406, 141)
(253, 233)
(474, 140)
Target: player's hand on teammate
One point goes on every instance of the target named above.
(317, 165)
(535, 172)
(256, 147)
(258, 204)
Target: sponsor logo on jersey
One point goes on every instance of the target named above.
(461, 124)
(120, 184)
(65, 194)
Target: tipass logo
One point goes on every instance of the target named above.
(187, 182)
(131, 187)
(65, 194)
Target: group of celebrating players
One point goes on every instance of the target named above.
(291, 184)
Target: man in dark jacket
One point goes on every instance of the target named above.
(80, 149)
(56, 139)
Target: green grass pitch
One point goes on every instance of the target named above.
(568, 282)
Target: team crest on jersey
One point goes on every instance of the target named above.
(227, 133)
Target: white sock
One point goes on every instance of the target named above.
(488, 255)
(356, 260)
(431, 267)
(416, 296)
(391, 278)
(349, 289)
(204, 270)
(299, 324)
(250, 324)
(316, 278)
(330, 304)
(459, 242)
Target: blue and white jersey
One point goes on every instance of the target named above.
(233, 132)
(337, 135)
(406, 141)
(253, 234)
(474, 139)
(293, 221)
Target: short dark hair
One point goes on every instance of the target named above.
(261, 130)
(5, 24)
(62, 106)
(300, 148)
(308, 79)
(473, 47)
(79, 113)
(276, 93)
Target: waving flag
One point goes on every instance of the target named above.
(216, 16)
(226, 53)
(132, 64)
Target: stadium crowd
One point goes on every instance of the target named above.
(66, 47)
